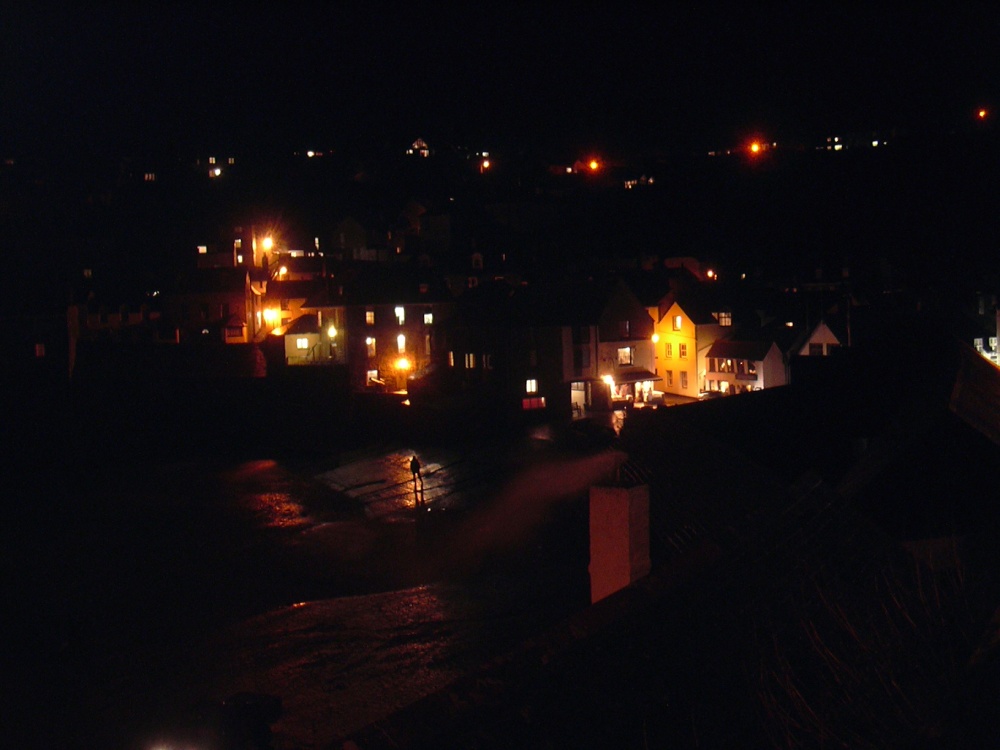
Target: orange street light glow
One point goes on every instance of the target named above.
(594, 164)
(755, 148)
(402, 363)
(982, 114)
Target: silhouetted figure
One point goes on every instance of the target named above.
(417, 477)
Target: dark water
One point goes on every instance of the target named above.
(120, 561)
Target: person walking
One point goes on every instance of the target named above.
(417, 477)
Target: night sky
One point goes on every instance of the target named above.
(139, 78)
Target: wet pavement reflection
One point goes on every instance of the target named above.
(329, 588)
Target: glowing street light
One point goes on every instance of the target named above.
(268, 243)
(755, 148)
(403, 364)
(332, 331)
(982, 114)
(594, 165)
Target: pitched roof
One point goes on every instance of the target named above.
(752, 350)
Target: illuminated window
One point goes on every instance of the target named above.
(451, 359)
(682, 351)
(533, 403)
(428, 319)
(670, 378)
(202, 249)
(370, 343)
(677, 322)
(232, 160)
(371, 377)
(400, 315)
(369, 317)
(668, 350)
(239, 257)
(237, 244)
(302, 343)
(684, 380)
(211, 160)
(150, 177)
(625, 355)
(724, 318)
(531, 386)
(470, 361)
(401, 343)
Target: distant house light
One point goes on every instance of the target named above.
(401, 343)
(369, 317)
(400, 314)
(211, 160)
(531, 386)
(302, 343)
(428, 318)
(202, 249)
(150, 177)
(239, 257)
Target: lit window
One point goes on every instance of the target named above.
(401, 343)
(533, 403)
(470, 361)
(211, 160)
(682, 351)
(370, 343)
(677, 322)
(371, 377)
(724, 318)
(400, 315)
(237, 244)
(531, 386)
(369, 317)
(239, 257)
(202, 249)
(451, 359)
(150, 177)
(428, 319)
(232, 160)
(625, 355)
(684, 380)
(302, 343)
(668, 350)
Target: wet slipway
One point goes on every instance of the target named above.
(344, 589)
